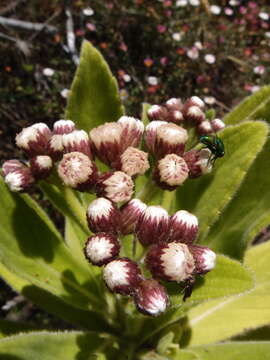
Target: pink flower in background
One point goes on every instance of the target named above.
(164, 60)
(228, 11)
(148, 62)
(210, 58)
(161, 28)
(259, 70)
(90, 27)
(123, 46)
(193, 53)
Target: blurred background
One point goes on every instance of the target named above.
(157, 49)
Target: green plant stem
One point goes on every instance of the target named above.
(148, 191)
(77, 209)
(167, 199)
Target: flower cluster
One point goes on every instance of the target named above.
(71, 154)
(171, 254)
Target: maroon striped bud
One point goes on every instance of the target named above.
(171, 139)
(183, 227)
(157, 112)
(153, 225)
(19, 180)
(41, 166)
(170, 172)
(101, 248)
(151, 298)
(122, 276)
(130, 213)
(194, 114)
(106, 142)
(116, 186)
(198, 162)
(11, 166)
(77, 171)
(132, 130)
(205, 258)
(77, 140)
(195, 101)
(217, 125)
(205, 127)
(34, 139)
(134, 161)
(170, 261)
(151, 134)
(174, 104)
(103, 216)
(61, 127)
(176, 117)
(56, 147)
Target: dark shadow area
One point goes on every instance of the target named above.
(9, 357)
(260, 334)
(73, 317)
(34, 237)
(178, 289)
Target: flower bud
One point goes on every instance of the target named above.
(151, 134)
(205, 127)
(61, 127)
(19, 180)
(198, 162)
(77, 171)
(153, 225)
(157, 112)
(131, 133)
(56, 147)
(116, 186)
(217, 125)
(170, 172)
(195, 100)
(194, 114)
(41, 166)
(171, 139)
(170, 261)
(134, 161)
(151, 297)
(183, 227)
(174, 104)
(101, 248)
(34, 139)
(11, 166)
(103, 216)
(122, 276)
(130, 213)
(106, 141)
(176, 117)
(205, 258)
(77, 140)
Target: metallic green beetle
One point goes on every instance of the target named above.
(215, 145)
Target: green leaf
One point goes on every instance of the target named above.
(248, 212)
(67, 202)
(9, 327)
(87, 319)
(209, 196)
(32, 249)
(94, 97)
(229, 277)
(145, 118)
(233, 351)
(256, 106)
(234, 315)
(50, 346)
